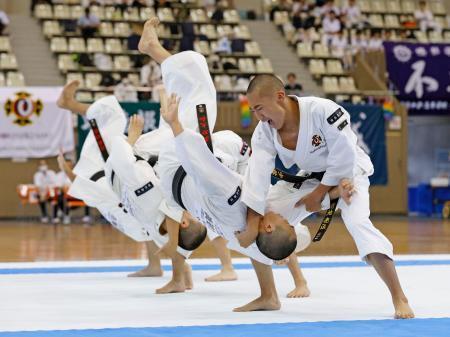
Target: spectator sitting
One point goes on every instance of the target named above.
(217, 16)
(223, 45)
(88, 24)
(63, 182)
(125, 91)
(339, 48)
(329, 7)
(425, 19)
(4, 21)
(133, 38)
(359, 42)
(292, 87)
(150, 74)
(331, 26)
(352, 14)
(44, 180)
(375, 42)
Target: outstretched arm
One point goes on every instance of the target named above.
(67, 100)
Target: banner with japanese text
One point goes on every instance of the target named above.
(420, 72)
(31, 124)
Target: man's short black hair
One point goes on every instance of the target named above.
(291, 75)
(192, 237)
(276, 245)
(265, 81)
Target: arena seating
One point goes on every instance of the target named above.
(67, 44)
(392, 17)
(9, 76)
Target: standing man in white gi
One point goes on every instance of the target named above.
(315, 134)
(211, 191)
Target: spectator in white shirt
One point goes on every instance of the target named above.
(125, 91)
(331, 26)
(352, 14)
(359, 42)
(329, 7)
(88, 24)
(150, 74)
(425, 19)
(340, 48)
(4, 22)
(44, 180)
(63, 183)
(375, 42)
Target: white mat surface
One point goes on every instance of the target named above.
(111, 300)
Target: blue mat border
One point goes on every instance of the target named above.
(197, 267)
(436, 327)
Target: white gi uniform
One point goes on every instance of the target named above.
(187, 75)
(129, 195)
(135, 182)
(212, 188)
(325, 143)
(44, 180)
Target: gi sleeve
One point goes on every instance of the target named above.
(209, 174)
(341, 143)
(260, 166)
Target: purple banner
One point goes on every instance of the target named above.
(420, 73)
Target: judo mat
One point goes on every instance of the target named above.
(97, 299)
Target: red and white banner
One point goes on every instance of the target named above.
(31, 125)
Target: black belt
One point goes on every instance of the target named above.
(97, 175)
(298, 181)
(99, 139)
(294, 179)
(326, 220)
(180, 174)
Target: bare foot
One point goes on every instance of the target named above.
(299, 291)
(67, 96)
(148, 271)
(260, 304)
(189, 284)
(172, 287)
(224, 275)
(402, 309)
(149, 39)
(135, 128)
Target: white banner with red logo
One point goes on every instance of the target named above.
(31, 124)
